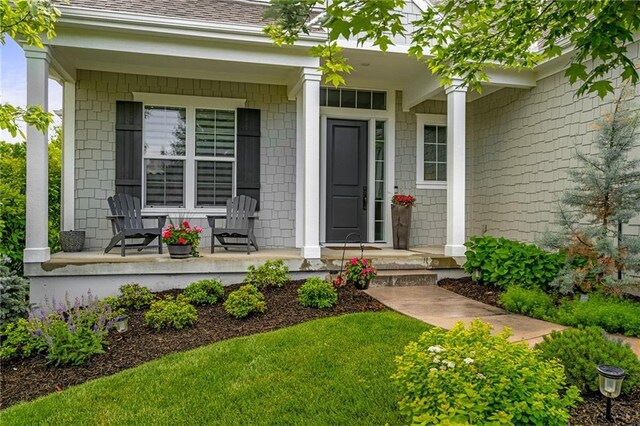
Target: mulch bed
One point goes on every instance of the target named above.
(591, 412)
(24, 380)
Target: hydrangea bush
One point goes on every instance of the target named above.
(467, 376)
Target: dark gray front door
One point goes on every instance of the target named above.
(346, 180)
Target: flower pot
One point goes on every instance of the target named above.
(179, 251)
(72, 241)
(401, 224)
(363, 285)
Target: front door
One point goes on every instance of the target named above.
(346, 180)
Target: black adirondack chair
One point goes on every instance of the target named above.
(126, 221)
(240, 219)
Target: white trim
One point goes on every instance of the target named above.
(188, 101)
(421, 121)
(68, 155)
(190, 104)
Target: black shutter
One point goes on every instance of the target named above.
(248, 145)
(129, 148)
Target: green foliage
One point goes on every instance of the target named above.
(464, 39)
(504, 262)
(19, 340)
(612, 313)
(581, 351)
(73, 332)
(272, 273)
(134, 296)
(317, 293)
(14, 295)
(26, 20)
(605, 191)
(468, 376)
(204, 292)
(71, 346)
(532, 302)
(245, 301)
(13, 160)
(171, 313)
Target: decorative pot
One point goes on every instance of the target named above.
(72, 241)
(364, 286)
(179, 251)
(401, 224)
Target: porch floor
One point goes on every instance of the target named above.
(150, 261)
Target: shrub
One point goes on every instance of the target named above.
(532, 302)
(171, 313)
(580, 351)
(13, 161)
(504, 262)
(14, 295)
(468, 376)
(19, 341)
(614, 314)
(245, 301)
(73, 332)
(317, 293)
(134, 296)
(272, 273)
(204, 292)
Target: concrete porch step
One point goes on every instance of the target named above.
(405, 277)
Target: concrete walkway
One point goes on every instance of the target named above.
(443, 308)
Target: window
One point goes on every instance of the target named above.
(353, 98)
(431, 151)
(379, 200)
(189, 151)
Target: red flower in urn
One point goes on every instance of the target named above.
(183, 234)
(403, 200)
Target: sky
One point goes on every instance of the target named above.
(13, 83)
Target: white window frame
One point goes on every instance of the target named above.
(190, 103)
(421, 121)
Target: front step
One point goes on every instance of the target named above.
(405, 277)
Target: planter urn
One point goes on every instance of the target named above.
(179, 251)
(72, 241)
(401, 224)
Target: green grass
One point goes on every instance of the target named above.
(329, 371)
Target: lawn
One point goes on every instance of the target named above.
(329, 371)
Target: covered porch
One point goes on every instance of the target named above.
(73, 274)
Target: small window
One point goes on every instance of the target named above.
(353, 98)
(431, 151)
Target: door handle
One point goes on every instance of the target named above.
(364, 198)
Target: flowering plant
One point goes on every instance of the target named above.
(359, 272)
(183, 234)
(339, 281)
(403, 200)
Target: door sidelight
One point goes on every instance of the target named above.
(364, 198)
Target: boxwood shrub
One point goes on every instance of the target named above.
(245, 301)
(581, 350)
(317, 293)
(505, 262)
(467, 376)
(204, 292)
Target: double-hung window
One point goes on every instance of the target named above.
(431, 166)
(189, 151)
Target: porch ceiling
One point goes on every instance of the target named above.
(168, 65)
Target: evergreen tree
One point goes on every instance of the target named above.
(605, 193)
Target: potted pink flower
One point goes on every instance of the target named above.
(401, 219)
(359, 272)
(182, 241)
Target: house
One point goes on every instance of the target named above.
(187, 103)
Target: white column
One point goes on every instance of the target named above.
(310, 134)
(456, 129)
(299, 173)
(68, 155)
(37, 228)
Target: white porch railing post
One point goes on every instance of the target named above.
(37, 195)
(456, 130)
(310, 134)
